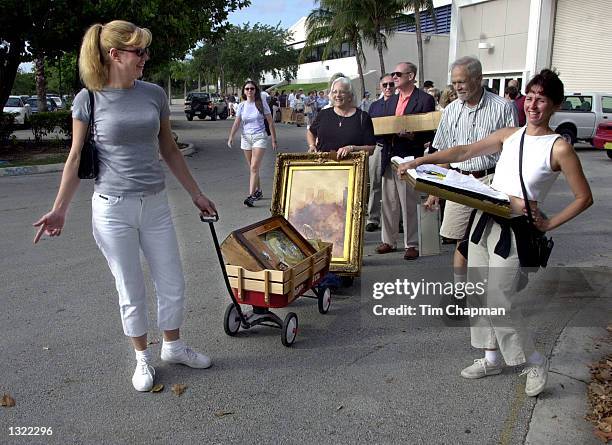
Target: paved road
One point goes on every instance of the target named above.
(349, 377)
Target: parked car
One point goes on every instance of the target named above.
(603, 138)
(205, 104)
(580, 114)
(18, 108)
(33, 103)
(59, 102)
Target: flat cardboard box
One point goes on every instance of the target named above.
(429, 230)
(410, 122)
(486, 206)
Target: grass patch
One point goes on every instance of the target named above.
(51, 159)
(305, 86)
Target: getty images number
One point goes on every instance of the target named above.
(30, 431)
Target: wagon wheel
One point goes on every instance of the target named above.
(289, 329)
(324, 300)
(231, 320)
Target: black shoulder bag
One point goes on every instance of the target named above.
(537, 245)
(88, 165)
(260, 108)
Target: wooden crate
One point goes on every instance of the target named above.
(276, 288)
(287, 115)
(272, 243)
(299, 119)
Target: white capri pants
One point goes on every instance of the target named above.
(122, 227)
(509, 333)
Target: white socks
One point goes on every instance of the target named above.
(492, 356)
(175, 345)
(146, 355)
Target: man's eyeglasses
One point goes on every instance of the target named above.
(249, 89)
(388, 85)
(140, 52)
(398, 73)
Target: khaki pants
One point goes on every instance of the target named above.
(457, 216)
(375, 186)
(398, 197)
(507, 333)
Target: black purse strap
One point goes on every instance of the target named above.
(92, 104)
(525, 196)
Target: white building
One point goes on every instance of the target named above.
(401, 47)
(517, 38)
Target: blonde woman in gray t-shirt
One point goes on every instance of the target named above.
(130, 209)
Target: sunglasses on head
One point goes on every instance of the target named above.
(249, 88)
(398, 73)
(140, 52)
(388, 85)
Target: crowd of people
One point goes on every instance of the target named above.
(480, 134)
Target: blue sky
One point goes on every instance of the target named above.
(270, 12)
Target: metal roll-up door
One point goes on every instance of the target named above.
(581, 45)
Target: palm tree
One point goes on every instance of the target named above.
(377, 20)
(417, 6)
(331, 25)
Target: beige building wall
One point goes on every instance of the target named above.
(402, 47)
(496, 32)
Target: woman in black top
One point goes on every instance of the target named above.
(343, 127)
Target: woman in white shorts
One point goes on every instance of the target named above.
(252, 114)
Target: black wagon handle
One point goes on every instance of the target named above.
(211, 219)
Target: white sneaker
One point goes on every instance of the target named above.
(481, 368)
(185, 356)
(143, 376)
(537, 375)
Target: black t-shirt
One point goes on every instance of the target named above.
(334, 131)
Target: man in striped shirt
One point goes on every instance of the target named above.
(474, 115)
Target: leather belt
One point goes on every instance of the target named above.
(477, 173)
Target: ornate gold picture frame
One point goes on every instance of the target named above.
(325, 199)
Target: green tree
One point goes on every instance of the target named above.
(62, 74)
(25, 84)
(206, 62)
(417, 6)
(248, 52)
(42, 29)
(333, 24)
(377, 20)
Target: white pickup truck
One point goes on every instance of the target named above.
(580, 114)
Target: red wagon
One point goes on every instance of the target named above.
(267, 289)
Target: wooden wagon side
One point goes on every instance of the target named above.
(276, 288)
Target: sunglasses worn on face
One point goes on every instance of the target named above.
(140, 52)
(388, 85)
(249, 89)
(398, 74)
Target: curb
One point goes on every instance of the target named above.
(50, 168)
(558, 415)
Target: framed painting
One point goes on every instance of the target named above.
(269, 244)
(325, 199)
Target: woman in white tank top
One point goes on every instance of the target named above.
(493, 254)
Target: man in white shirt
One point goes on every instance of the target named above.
(473, 116)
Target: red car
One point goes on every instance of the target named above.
(603, 137)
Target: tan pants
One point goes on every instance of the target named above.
(375, 186)
(398, 197)
(506, 333)
(457, 216)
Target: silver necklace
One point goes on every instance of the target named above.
(340, 120)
